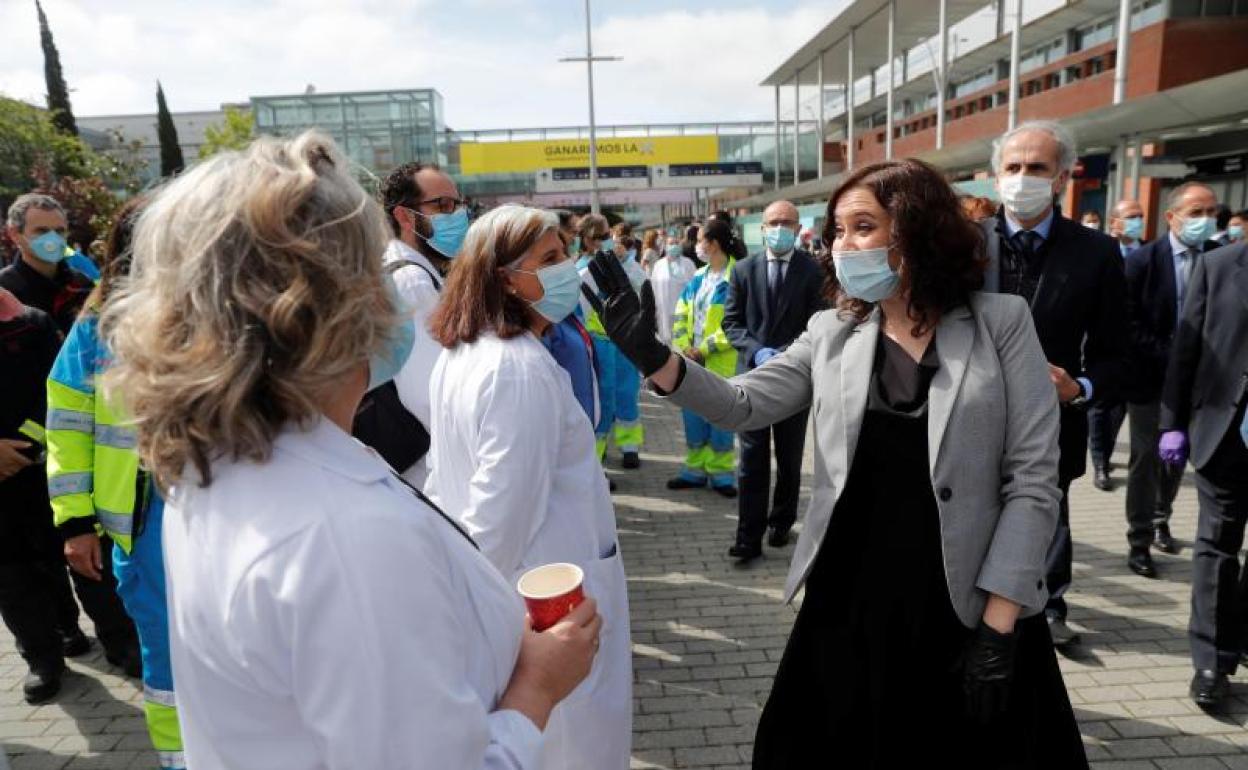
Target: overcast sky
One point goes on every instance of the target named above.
(494, 61)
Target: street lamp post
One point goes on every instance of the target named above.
(589, 60)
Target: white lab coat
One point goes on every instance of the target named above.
(513, 457)
(420, 293)
(321, 617)
(668, 279)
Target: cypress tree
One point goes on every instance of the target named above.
(170, 151)
(58, 92)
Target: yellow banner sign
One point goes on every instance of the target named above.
(521, 157)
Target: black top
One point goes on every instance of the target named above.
(901, 383)
(61, 296)
(28, 346)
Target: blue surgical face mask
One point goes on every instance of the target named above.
(49, 247)
(561, 290)
(630, 255)
(1197, 230)
(866, 274)
(608, 244)
(385, 363)
(1133, 227)
(674, 250)
(448, 231)
(779, 239)
(574, 248)
(1235, 232)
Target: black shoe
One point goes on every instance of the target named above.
(129, 661)
(1141, 563)
(680, 482)
(1063, 635)
(1209, 688)
(611, 485)
(1102, 481)
(1162, 540)
(778, 538)
(75, 643)
(743, 552)
(727, 490)
(631, 461)
(42, 686)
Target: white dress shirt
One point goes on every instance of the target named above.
(416, 287)
(321, 617)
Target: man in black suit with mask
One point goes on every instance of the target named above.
(1073, 279)
(771, 297)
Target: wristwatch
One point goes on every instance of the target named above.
(1081, 399)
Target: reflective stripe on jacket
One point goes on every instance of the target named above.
(719, 354)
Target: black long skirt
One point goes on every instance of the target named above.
(871, 676)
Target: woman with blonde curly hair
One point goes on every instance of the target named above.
(322, 614)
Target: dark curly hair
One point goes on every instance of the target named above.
(399, 188)
(942, 252)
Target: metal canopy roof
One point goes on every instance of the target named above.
(916, 22)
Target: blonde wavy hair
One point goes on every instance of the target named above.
(256, 286)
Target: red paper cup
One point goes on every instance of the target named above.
(550, 592)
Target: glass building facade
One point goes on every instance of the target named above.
(376, 129)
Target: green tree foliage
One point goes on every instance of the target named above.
(58, 92)
(171, 161)
(234, 133)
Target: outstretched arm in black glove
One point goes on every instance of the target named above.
(627, 317)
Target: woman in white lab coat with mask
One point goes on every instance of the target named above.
(323, 616)
(513, 454)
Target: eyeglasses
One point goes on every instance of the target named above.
(444, 204)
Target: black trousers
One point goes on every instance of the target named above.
(35, 599)
(1216, 630)
(1104, 422)
(1059, 562)
(1152, 484)
(754, 477)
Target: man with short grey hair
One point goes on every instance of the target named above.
(40, 278)
(1072, 278)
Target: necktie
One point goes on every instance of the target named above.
(1183, 274)
(1025, 243)
(776, 276)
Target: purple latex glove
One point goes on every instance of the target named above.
(1173, 447)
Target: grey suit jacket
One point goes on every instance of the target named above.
(992, 439)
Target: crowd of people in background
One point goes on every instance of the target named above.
(292, 445)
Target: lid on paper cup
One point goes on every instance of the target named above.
(549, 581)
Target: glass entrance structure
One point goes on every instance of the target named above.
(376, 129)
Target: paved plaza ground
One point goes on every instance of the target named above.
(707, 637)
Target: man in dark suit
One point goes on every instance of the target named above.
(1072, 278)
(772, 295)
(1157, 278)
(1204, 399)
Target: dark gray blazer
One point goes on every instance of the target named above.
(1208, 373)
(992, 439)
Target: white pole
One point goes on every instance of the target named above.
(1137, 148)
(1124, 51)
(778, 136)
(942, 83)
(1015, 43)
(849, 105)
(797, 126)
(822, 123)
(892, 61)
(593, 131)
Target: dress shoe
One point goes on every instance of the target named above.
(75, 643)
(42, 686)
(631, 461)
(1162, 540)
(1141, 563)
(744, 552)
(778, 538)
(680, 482)
(1063, 635)
(1209, 688)
(1102, 481)
(129, 661)
(727, 490)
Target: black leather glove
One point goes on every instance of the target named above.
(988, 672)
(627, 318)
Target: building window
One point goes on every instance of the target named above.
(1147, 12)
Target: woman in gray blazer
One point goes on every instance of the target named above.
(935, 494)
